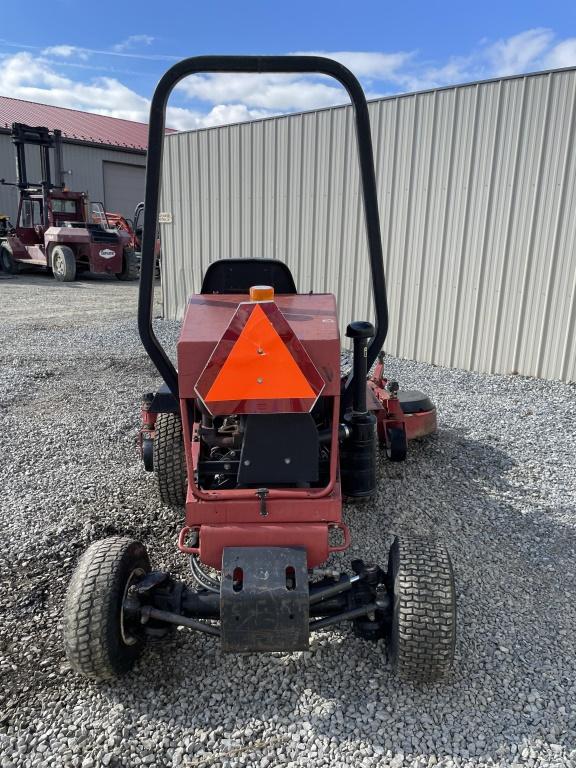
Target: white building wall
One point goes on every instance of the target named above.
(477, 194)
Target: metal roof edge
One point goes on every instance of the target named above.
(93, 144)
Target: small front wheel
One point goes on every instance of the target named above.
(100, 639)
(396, 444)
(423, 631)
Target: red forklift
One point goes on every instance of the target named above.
(55, 228)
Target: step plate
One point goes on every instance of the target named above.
(262, 613)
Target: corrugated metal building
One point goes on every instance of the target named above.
(103, 156)
(477, 193)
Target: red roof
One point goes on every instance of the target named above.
(82, 126)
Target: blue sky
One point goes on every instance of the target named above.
(107, 59)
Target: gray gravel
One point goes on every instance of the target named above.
(498, 482)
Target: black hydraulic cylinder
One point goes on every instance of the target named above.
(358, 452)
(360, 332)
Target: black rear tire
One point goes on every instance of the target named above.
(169, 460)
(423, 631)
(63, 264)
(100, 643)
(7, 262)
(130, 267)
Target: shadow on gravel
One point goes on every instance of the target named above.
(514, 565)
(508, 691)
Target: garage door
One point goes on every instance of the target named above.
(123, 187)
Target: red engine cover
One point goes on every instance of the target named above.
(312, 317)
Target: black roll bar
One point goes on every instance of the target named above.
(254, 64)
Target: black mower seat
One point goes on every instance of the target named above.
(238, 275)
(413, 401)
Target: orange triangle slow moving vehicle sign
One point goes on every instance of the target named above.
(259, 366)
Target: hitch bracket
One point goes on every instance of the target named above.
(264, 599)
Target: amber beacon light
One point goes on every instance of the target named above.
(261, 293)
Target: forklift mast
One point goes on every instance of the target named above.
(45, 140)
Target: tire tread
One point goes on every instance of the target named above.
(424, 622)
(170, 460)
(90, 621)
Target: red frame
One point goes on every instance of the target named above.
(193, 448)
(302, 516)
(293, 517)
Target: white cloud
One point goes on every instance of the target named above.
(216, 99)
(65, 51)
(519, 52)
(272, 92)
(528, 51)
(292, 91)
(562, 55)
(24, 76)
(385, 73)
(132, 41)
(120, 50)
(24, 70)
(222, 114)
(367, 63)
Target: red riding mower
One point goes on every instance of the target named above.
(260, 437)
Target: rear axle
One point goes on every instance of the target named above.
(159, 600)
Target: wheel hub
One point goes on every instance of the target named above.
(128, 622)
(57, 264)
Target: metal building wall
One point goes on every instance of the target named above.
(84, 161)
(87, 166)
(477, 193)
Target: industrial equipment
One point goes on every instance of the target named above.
(54, 227)
(260, 435)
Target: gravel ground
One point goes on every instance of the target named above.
(498, 482)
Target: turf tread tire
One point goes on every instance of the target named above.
(423, 632)
(169, 460)
(91, 621)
